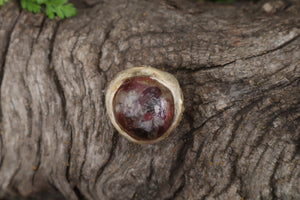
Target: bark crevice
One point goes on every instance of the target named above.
(114, 141)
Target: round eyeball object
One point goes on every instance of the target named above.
(144, 104)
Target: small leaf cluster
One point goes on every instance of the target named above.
(2, 2)
(60, 8)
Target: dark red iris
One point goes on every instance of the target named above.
(143, 108)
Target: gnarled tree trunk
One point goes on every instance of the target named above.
(239, 71)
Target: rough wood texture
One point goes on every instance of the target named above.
(239, 70)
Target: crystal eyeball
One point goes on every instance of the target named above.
(144, 104)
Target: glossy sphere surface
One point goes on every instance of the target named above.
(143, 108)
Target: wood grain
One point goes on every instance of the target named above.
(239, 71)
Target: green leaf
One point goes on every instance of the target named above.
(31, 5)
(2, 2)
(50, 12)
(59, 8)
(58, 2)
(41, 1)
(69, 10)
(59, 13)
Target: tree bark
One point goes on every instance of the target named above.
(239, 71)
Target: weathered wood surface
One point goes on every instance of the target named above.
(239, 70)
